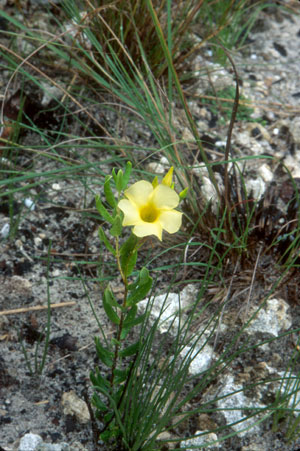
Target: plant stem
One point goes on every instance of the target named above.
(120, 326)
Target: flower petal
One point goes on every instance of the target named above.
(139, 192)
(148, 228)
(131, 214)
(167, 180)
(171, 220)
(165, 197)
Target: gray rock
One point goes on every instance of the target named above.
(271, 319)
(201, 441)
(30, 442)
(73, 405)
(167, 306)
(232, 404)
(34, 442)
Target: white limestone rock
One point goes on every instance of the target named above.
(30, 442)
(232, 404)
(167, 306)
(271, 319)
(201, 441)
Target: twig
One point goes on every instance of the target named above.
(36, 307)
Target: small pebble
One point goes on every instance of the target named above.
(164, 161)
(56, 273)
(29, 204)
(4, 232)
(266, 173)
(38, 241)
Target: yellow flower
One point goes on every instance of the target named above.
(150, 209)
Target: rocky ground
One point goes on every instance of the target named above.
(53, 405)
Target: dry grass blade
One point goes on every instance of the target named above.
(36, 308)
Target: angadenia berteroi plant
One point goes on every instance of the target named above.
(150, 208)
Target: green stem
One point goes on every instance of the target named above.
(120, 326)
(124, 305)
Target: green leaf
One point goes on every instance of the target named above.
(135, 321)
(131, 262)
(104, 355)
(100, 381)
(124, 332)
(139, 288)
(130, 350)
(108, 417)
(119, 180)
(114, 342)
(128, 253)
(106, 435)
(144, 276)
(120, 376)
(128, 320)
(113, 173)
(116, 228)
(103, 212)
(110, 298)
(127, 173)
(98, 403)
(139, 293)
(107, 244)
(108, 301)
(131, 313)
(108, 192)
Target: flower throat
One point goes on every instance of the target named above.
(149, 213)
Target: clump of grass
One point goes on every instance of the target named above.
(128, 25)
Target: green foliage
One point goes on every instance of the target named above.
(105, 355)
(124, 316)
(128, 255)
(130, 350)
(108, 302)
(140, 287)
(116, 228)
(106, 242)
(108, 192)
(103, 211)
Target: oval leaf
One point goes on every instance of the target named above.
(112, 315)
(130, 350)
(108, 192)
(103, 212)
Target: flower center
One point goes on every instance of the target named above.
(149, 213)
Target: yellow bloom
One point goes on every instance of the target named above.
(150, 209)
